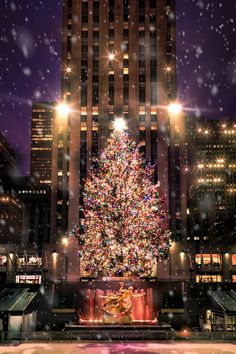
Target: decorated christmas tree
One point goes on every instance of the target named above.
(124, 226)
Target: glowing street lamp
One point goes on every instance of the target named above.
(68, 69)
(174, 108)
(63, 109)
(119, 124)
(65, 241)
(111, 56)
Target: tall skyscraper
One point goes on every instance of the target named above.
(118, 60)
(212, 198)
(41, 142)
(7, 164)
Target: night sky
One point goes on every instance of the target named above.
(30, 61)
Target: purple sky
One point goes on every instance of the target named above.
(30, 61)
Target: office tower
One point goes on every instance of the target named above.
(118, 60)
(7, 164)
(212, 197)
(10, 206)
(41, 142)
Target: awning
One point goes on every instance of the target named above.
(16, 300)
(224, 299)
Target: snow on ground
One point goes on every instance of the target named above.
(120, 348)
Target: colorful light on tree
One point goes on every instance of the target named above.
(124, 228)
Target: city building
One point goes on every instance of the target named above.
(211, 208)
(7, 164)
(118, 60)
(41, 142)
(10, 205)
(24, 220)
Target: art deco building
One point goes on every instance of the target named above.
(7, 164)
(118, 61)
(10, 206)
(41, 142)
(212, 198)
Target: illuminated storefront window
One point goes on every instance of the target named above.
(206, 259)
(216, 259)
(3, 260)
(208, 278)
(30, 261)
(233, 259)
(28, 279)
(198, 259)
(209, 259)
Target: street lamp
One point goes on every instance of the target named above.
(65, 242)
(174, 108)
(63, 109)
(111, 56)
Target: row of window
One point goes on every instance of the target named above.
(213, 259)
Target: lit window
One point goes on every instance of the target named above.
(198, 259)
(208, 278)
(216, 259)
(206, 259)
(233, 259)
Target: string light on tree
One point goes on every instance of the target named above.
(124, 226)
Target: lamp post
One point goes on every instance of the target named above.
(65, 242)
(174, 109)
(63, 110)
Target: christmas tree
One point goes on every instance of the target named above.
(124, 228)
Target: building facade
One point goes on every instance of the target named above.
(118, 60)
(7, 164)
(212, 198)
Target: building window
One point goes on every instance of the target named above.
(153, 93)
(153, 4)
(233, 259)
(216, 261)
(28, 279)
(3, 260)
(96, 12)
(111, 11)
(142, 117)
(126, 10)
(111, 93)
(141, 93)
(206, 259)
(208, 278)
(126, 93)
(85, 12)
(95, 94)
(83, 94)
(198, 259)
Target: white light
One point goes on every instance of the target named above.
(119, 124)
(111, 56)
(65, 241)
(68, 70)
(174, 108)
(63, 109)
(168, 69)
